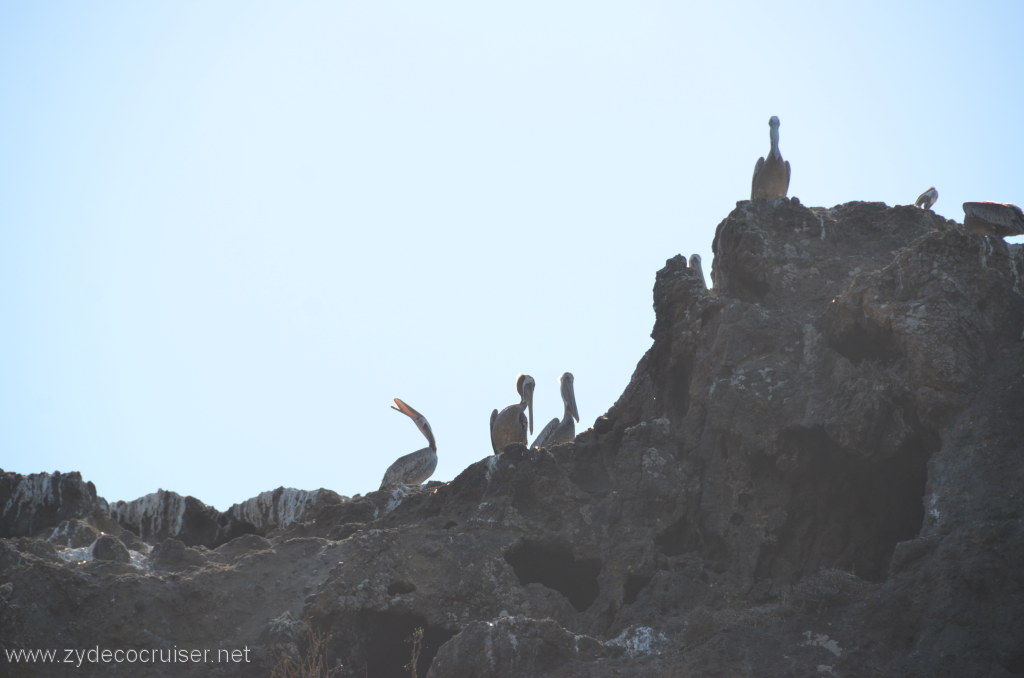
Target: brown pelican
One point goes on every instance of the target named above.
(563, 431)
(509, 425)
(694, 263)
(993, 218)
(415, 467)
(771, 174)
(927, 199)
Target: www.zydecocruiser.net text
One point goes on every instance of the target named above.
(77, 657)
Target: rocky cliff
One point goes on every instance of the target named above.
(815, 470)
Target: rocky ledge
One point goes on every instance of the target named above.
(815, 470)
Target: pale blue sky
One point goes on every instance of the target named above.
(232, 232)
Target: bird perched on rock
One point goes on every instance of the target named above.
(771, 174)
(509, 425)
(694, 264)
(927, 199)
(415, 467)
(993, 218)
(563, 431)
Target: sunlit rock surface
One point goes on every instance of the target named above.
(815, 470)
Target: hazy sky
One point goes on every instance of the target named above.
(232, 232)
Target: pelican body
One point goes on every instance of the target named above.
(510, 425)
(563, 431)
(694, 264)
(993, 218)
(771, 174)
(927, 199)
(415, 467)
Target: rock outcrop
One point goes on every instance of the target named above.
(164, 514)
(815, 470)
(109, 547)
(44, 501)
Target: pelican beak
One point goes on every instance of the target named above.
(418, 419)
(405, 409)
(529, 403)
(571, 401)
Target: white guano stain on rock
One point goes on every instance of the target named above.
(823, 641)
(639, 640)
(82, 554)
(397, 496)
(155, 511)
(275, 508)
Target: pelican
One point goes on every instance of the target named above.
(993, 218)
(694, 263)
(563, 431)
(509, 425)
(415, 467)
(771, 174)
(927, 199)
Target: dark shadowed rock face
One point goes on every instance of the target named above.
(41, 501)
(815, 470)
(173, 555)
(109, 547)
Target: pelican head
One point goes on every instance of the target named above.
(524, 386)
(421, 422)
(569, 395)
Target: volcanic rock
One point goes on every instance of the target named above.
(172, 554)
(513, 647)
(167, 514)
(109, 547)
(73, 533)
(37, 502)
(814, 470)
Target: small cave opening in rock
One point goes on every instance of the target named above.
(846, 511)
(862, 341)
(553, 565)
(400, 587)
(391, 644)
(635, 583)
(682, 536)
(747, 287)
(678, 538)
(897, 496)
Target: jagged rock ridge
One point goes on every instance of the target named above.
(814, 470)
